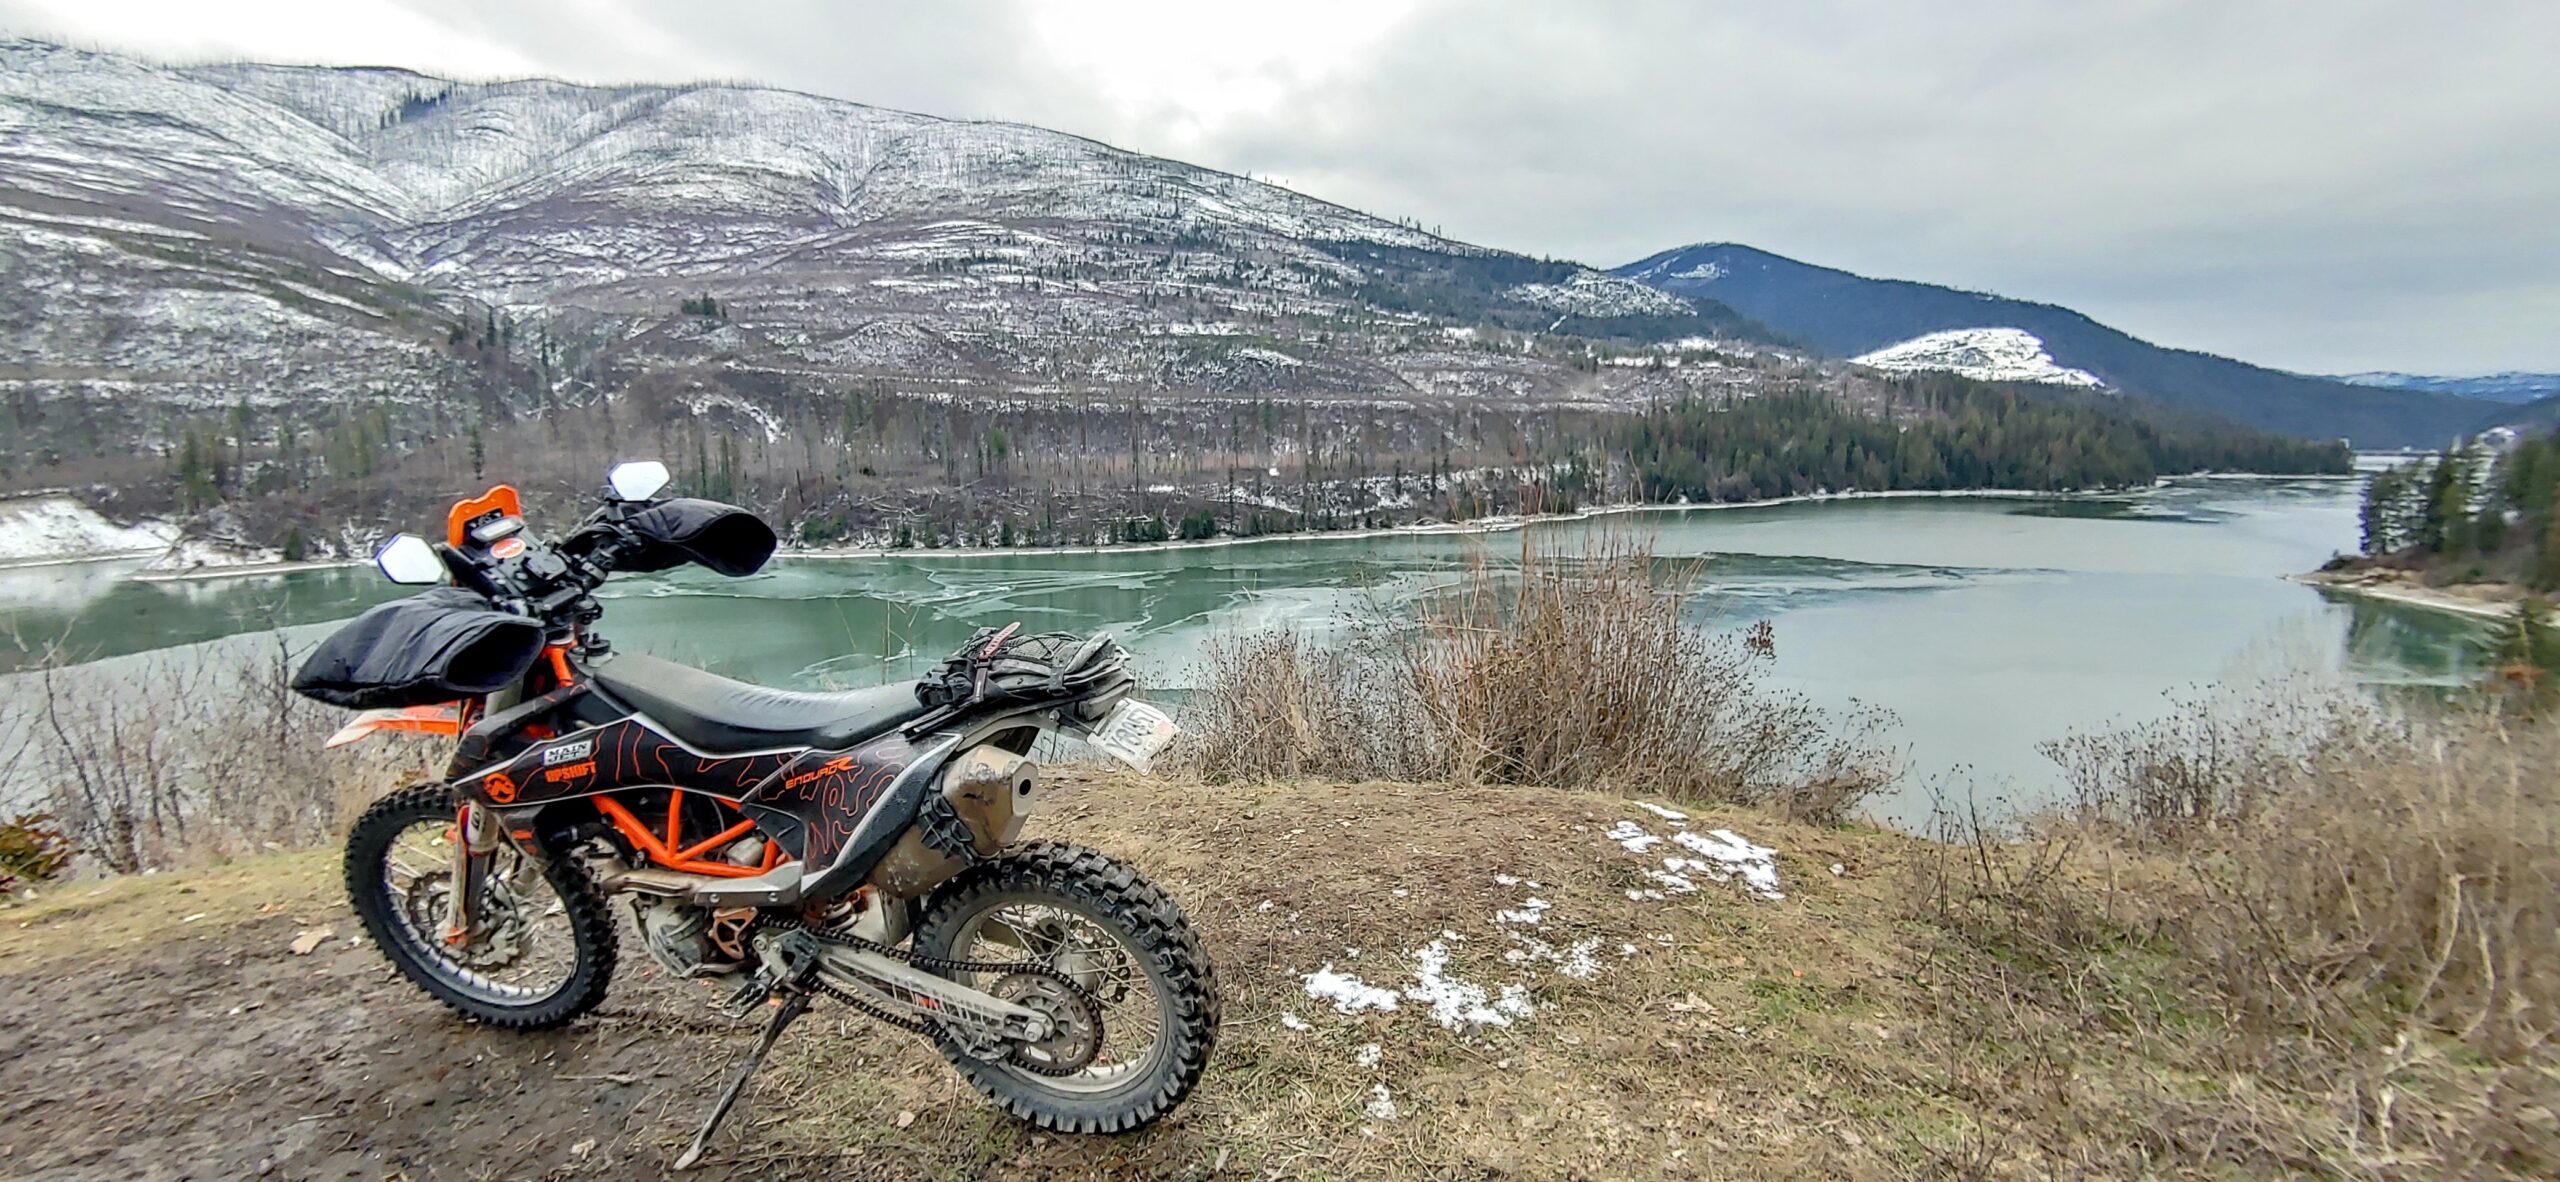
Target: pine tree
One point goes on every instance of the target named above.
(2378, 516)
(195, 480)
(2547, 564)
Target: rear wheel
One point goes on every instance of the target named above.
(1148, 990)
(540, 950)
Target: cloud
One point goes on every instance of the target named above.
(2355, 184)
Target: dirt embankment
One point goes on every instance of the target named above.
(167, 1027)
(2494, 600)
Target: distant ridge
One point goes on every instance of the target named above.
(1840, 314)
(2510, 387)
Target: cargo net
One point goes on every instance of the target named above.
(1002, 667)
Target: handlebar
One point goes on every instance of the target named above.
(553, 582)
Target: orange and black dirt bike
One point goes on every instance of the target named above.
(863, 846)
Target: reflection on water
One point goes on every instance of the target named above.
(94, 610)
(1988, 624)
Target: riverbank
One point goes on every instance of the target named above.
(2494, 601)
(249, 568)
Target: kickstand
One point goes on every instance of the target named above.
(791, 1008)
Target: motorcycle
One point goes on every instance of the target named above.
(863, 846)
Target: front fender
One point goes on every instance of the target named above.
(442, 718)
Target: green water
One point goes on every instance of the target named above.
(1986, 624)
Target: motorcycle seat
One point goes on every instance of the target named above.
(717, 716)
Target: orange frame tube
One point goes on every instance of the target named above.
(671, 852)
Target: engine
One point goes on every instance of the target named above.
(690, 941)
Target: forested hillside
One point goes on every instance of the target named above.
(1936, 432)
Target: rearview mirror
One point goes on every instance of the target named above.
(407, 558)
(638, 480)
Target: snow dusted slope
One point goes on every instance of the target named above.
(178, 240)
(57, 529)
(1987, 354)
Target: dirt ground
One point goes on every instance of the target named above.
(164, 1027)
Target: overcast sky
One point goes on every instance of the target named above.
(2331, 185)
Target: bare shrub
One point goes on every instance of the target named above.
(2341, 968)
(1278, 706)
(1579, 671)
(2218, 755)
(174, 756)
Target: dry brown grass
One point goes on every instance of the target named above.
(1573, 671)
(2339, 963)
(2058, 1006)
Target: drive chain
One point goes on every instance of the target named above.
(932, 964)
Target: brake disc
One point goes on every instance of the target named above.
(497, 938)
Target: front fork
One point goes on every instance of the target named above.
(476, 836)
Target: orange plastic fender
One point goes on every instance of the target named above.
(443, 718)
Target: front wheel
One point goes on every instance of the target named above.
(540, 950)
(1093, 920)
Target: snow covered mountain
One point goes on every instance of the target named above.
(1840, 314)
(1987, 354)
(178, 241)
(2510, 387)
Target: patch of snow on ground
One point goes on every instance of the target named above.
(1722, 855)
(1757, 864)
(1368, 1055)
(1461, 1005)
(1381, 1105)
(1986, 354)
(1633, 837)
(1671, 878)
(1349, 994)
(1659, 811)
(198, 554)
(1289, 1021)
(1590, 293)
(769, 422)
(1529, 912)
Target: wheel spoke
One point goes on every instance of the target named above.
(1075, 944)
(519, 945)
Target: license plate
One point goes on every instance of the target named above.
(1133, 733)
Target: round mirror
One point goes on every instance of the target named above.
(638, 480)
(407, 558)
